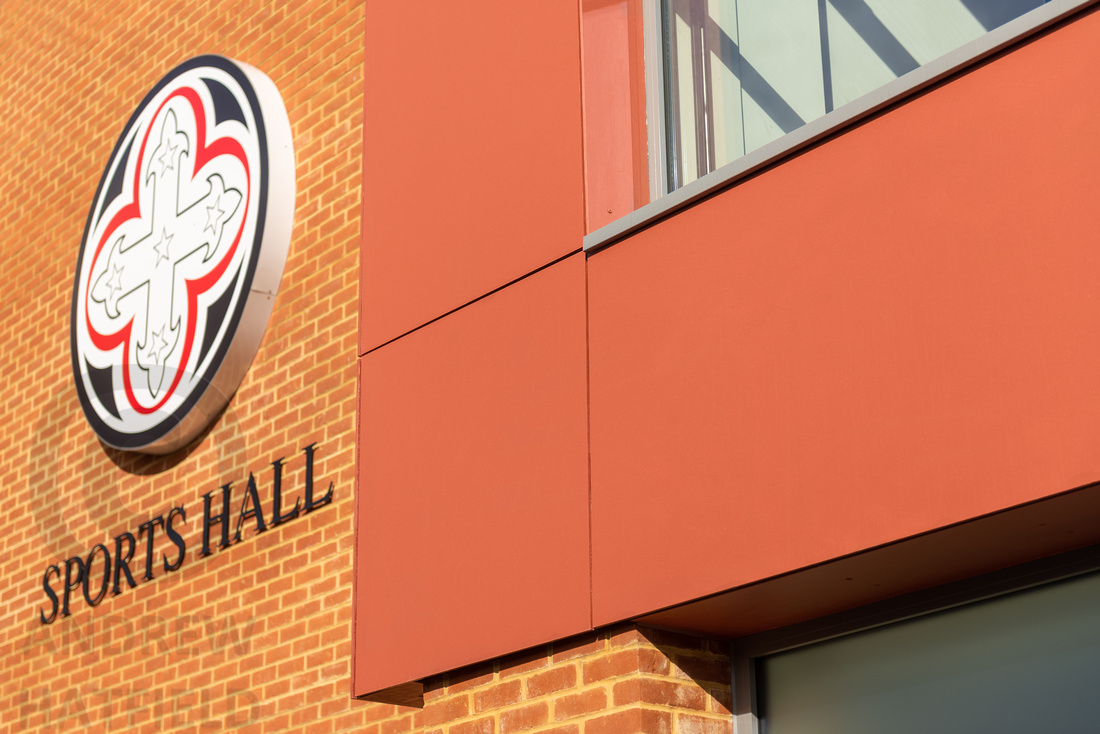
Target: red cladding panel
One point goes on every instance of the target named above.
(473, 484)
(614, 109)
(894, 331)
(472, 159)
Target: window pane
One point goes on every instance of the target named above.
(1025, 662)
(741, 73)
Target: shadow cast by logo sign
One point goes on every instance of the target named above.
(55, 458)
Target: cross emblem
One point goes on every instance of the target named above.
(182, 254)
(185, 227)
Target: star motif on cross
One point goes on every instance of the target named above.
(161, 245)
(214, 213)
(173, 144)
(165, 158)
(114, 281)
(158, 351)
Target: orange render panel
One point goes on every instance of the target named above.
(473, 484)
(472, 158)
(896, 330)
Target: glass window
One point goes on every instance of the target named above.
(1024, 662)
(741, 73)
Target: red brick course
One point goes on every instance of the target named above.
(614, 681)
(552, 681)
(498, 696)
(524, 718)
(579, 704)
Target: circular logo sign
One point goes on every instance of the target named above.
(182, 255)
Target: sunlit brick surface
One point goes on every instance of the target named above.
(622, 680)
(255, 637)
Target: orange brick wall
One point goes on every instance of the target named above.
(621, 680)
(256, 636)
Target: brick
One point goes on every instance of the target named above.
(579, 704)
(677, 640)
(477, 726)
(721, 701)
(445, 710)
(660, 692)
(625, 636)
(703, 669)
(627, 692)
(435, 687)
(524, 662)
(625, 662)
(689, 724)
(720, 648)
(631, 721)
(578, 646)
(524, 718)
(552, 681)
(468, 678)
(396, 726)
(503, 694)
(653, 661)
(611, 666)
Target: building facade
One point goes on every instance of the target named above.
(580, 444)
